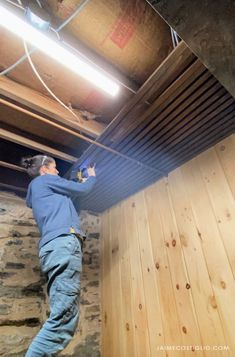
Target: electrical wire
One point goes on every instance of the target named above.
(56, 32)
(44, 84)
(19, 5)
(20, 60)
(39, 4)
(173, 38)
(74, 14)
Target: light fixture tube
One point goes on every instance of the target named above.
(54, 50)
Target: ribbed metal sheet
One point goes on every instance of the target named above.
(179, 112)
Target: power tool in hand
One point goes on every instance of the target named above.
(80, 174)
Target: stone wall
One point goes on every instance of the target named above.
(23, 301)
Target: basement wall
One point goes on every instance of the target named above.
(23, 302)
(168, 263)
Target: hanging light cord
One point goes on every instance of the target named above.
(44, 84)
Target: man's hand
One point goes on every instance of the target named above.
(91, 171)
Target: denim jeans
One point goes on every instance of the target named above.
(61, 262)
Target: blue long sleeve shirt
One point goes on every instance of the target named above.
(50, 197)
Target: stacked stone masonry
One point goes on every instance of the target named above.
(23, 301)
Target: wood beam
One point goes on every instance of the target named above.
(18, 139)
(12, 166)
(49, 107)
(12, 187)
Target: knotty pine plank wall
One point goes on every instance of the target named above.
(168, 263)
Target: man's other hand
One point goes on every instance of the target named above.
(91, 171)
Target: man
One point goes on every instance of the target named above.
(60, 249)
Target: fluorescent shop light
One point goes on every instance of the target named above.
(54, 50)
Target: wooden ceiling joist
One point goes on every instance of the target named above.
(48, 107)
(18, 139)
(12, 166)
(12, 187)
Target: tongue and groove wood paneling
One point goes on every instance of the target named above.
(168, 263)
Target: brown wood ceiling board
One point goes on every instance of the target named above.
(180, 58)
(176, 63)
(191, 113)
(204, 132)
(163, 107)
(179, 115)
(189, 109)
(101, 200)
(200, 133)
(184, 128)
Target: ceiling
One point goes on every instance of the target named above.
(170, 106)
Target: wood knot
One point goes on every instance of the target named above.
(188, 286)
(213, 302)
(167, 244)
(199, 234)
(148, 270)
(222, 148)
(157, 266)
(140, 306)
(115, 249)
(177, 286)
(184, 329)
(105, 318)
(223, 284)
(183, 240)
(173, 243)
(127, 327)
